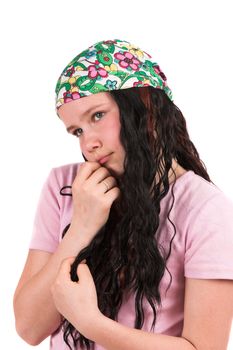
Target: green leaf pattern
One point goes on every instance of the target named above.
(108, 65)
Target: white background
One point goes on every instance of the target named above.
(192, 42)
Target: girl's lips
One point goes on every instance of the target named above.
(104, 159)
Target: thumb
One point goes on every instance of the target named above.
(84, 273)
(64, 269)
(66, 264)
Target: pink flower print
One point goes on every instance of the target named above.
(75, 95)
(96, 71)
(140, 83)
(69, 96)
(159, 72)
(127, 60)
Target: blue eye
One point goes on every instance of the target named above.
(78, 132)
(98, 115)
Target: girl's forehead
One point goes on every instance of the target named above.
(86, 105)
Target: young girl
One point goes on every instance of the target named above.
(131, 249)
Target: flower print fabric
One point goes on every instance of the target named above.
(108, 65)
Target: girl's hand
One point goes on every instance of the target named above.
(76, 301)
(94, 190)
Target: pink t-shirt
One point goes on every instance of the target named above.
(202, 247)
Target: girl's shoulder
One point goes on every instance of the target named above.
(193, 189)
(195, 198)
(64, 174)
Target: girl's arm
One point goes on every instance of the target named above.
(207, 323)
(35, 313)
(208, 315)
(36, 316)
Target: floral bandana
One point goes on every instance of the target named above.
(105, 66)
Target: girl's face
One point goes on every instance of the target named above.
(95, 120)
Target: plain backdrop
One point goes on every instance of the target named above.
(192, 42)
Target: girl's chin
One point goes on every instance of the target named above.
(114, 171)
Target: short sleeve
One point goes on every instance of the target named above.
(46, 228)
(209, 241)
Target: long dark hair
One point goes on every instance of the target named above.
(124, 256)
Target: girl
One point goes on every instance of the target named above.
(138, 253)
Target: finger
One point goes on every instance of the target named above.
(98, 175)
(107, 184)
(86, 169)
(112, 195)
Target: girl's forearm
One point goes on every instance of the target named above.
(35, 313)
(115, 336)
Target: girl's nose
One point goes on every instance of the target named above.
(92, 142)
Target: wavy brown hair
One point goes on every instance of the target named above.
(124, 256)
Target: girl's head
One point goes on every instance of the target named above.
(116, 100)
(114, 77)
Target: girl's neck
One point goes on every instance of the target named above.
(178, 169)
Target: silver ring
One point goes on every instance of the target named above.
(106, 185)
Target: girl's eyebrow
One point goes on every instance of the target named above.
(89, 110)
(70, 128)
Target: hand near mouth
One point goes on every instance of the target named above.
(94, 190)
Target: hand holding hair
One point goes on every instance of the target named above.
(76, 301)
